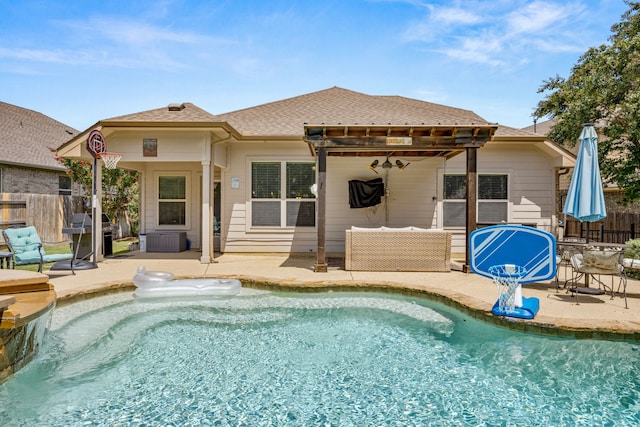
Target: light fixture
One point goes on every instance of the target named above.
(401, 165)
(373, 166)
(387, 165)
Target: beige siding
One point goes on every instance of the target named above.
(237, 234)
(531, 183)
(176, 146)
(409, 200)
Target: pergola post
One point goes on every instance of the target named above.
(472, 198)
(321, 163)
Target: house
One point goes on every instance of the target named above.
(31, 179)
(276, 177)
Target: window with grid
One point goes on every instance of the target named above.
(172, 200)
(493, 199)
(281, 194)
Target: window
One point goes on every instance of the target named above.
(172, 200)
(281, 194)
(64, 185)
(493, 199)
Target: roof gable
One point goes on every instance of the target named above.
(27, 137)
(185, 112)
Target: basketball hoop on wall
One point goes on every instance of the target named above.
(110, 160)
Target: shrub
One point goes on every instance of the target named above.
(634, 253)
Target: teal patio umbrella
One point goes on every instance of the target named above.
(585, 199)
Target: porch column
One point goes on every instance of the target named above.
(206, 227)
(472, 198)
(321, 164)
(97, 214)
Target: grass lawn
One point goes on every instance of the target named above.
(119, 247)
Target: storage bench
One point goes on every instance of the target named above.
(166, 241)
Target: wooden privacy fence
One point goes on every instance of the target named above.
(13, 212)
(620, 228)
(47, 212)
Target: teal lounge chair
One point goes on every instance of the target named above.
(26, 247)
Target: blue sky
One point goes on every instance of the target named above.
(82, 61)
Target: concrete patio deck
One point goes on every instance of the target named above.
(595, 316)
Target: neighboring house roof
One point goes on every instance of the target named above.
(542, 128)
(27, 137)
(335, 106)
(508, 131)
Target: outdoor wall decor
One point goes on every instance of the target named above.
(150, 147)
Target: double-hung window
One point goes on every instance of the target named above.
(172, 200)
(281, 194)
(493, 199)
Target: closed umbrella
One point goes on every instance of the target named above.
(585, 199)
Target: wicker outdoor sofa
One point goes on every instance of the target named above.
(397, 249)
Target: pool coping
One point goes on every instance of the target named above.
(477, 309)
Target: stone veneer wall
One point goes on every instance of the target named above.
(19, 344)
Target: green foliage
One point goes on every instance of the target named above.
(119, 187)
(634, 253)
(634, 250)
(604, 89)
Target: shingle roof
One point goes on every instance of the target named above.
(185, 112)
(27, 137)
(509, 131)
(335, 106)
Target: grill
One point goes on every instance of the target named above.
(81, 231)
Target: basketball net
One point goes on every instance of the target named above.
(110, 159)
(507, 279)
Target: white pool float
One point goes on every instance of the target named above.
(160, 284)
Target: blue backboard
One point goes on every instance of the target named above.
(528, 247)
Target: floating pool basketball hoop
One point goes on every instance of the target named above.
(507, 278)
(110, 159)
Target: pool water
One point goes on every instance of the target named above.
(334, 359)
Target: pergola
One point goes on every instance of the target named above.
(401, 140)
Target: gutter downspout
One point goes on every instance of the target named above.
(555, 225)
(211, 188)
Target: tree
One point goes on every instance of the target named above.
(119, 189)
(604, 89)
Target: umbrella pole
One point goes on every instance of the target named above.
(587, 239)
(586, 275)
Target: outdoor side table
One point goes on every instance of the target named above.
(5, 260)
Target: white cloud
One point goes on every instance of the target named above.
(540, 16)
(450, 15)
(498, 33)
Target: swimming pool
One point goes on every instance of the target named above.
(338, 359)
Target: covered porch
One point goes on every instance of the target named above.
(393, 140)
